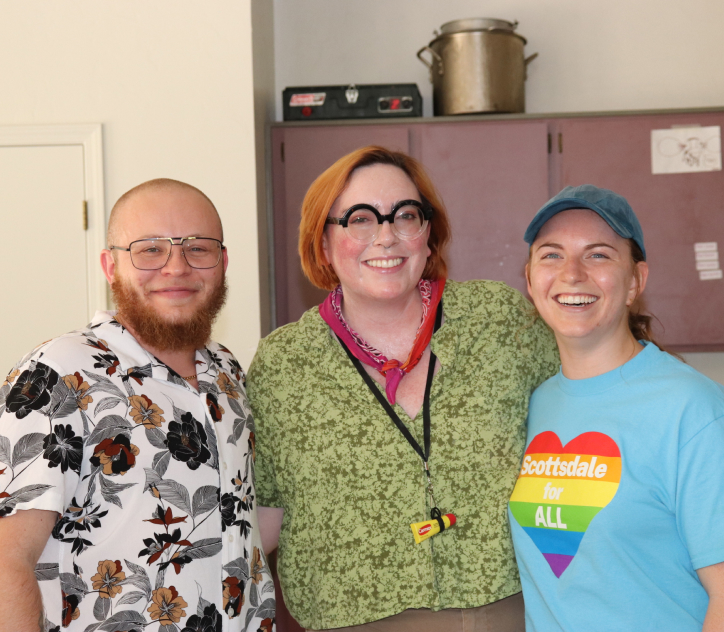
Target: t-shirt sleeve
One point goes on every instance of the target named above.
(700, 490)
(41, 437)
(260, 390)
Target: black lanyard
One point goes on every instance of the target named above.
(424, 455)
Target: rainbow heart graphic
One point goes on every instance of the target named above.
(561, 489)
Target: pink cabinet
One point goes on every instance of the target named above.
(495, 172)
(676, 211)
(490, 177)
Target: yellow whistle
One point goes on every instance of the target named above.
(424, 530)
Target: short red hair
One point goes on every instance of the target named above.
(324, 192)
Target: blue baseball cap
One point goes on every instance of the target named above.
(611, 207)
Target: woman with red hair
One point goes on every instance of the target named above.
(393, 411)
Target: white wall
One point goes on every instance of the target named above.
(171, 82)
(594, 55)
(711, 364)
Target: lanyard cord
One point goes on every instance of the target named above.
(424, 455)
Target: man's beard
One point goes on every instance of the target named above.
(153, 330)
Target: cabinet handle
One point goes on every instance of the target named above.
(560, 143)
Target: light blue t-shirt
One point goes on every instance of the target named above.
(621, 498)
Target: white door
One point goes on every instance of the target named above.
(43, 247)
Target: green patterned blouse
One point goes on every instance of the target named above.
(350, 484)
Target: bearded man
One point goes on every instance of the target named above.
(126, 448)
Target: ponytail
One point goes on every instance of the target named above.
(639, 322)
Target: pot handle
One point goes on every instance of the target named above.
(527, 61)
(429, 63)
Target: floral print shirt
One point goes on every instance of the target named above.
(152, 479)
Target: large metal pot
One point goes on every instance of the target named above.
(477, 65)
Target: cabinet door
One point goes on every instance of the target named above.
(300, 154)
(493, 177)
(675, 210)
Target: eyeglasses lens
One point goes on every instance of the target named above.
(153, 254)
(364, 226)
(409, 221)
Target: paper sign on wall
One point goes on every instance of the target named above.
(686, 149)
(706, 254)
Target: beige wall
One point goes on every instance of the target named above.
(171, 82)
(594, 54)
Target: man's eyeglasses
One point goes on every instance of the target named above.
(408, 220)
(153, 254)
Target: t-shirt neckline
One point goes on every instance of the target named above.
(610, 379)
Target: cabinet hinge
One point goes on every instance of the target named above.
(550, 143)
(560, 143)
(85, 215)
(282, 152)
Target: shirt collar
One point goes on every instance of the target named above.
(445, 341)
(622, 375)
(131, 355)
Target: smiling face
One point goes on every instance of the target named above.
(177, 295)
(582, 279)
(388, 267)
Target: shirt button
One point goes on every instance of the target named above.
(226, 467)
(231, 538)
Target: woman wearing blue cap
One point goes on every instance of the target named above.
(618, 513)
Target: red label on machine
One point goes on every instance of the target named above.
(310, 98)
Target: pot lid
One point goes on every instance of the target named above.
(476, 24)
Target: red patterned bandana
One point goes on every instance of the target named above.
(393, 370)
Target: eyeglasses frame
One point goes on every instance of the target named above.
(425, 209)
(172, 240)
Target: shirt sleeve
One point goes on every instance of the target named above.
(261, 392)
(41, 437)
(700, 490)
(544, 352)
(537, 340)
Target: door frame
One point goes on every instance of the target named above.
(90, 138)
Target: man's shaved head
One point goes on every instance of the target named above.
(157, 185)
